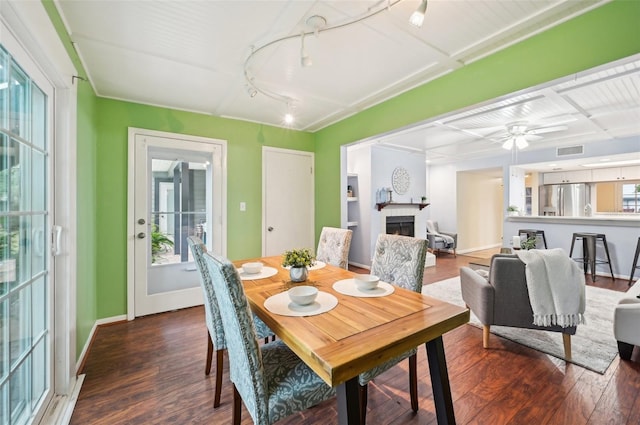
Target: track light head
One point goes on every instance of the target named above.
(417, 17)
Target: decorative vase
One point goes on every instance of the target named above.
(298, 274)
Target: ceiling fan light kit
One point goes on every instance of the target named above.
(317, 24)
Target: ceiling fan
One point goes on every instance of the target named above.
(519, 134)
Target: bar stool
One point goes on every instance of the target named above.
(589, 252)
(534, 233)
(635, 265)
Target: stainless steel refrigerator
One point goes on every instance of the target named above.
(568, 200)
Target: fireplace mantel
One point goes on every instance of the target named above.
(399, 204)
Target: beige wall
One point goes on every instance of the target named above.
(480, 213)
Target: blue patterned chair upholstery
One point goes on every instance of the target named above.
(398, 260)
(333, 246)
(271, 380)
(215, 331)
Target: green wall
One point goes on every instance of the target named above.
(244, 176)
(600, 36)
(603, 35)
(86, 241)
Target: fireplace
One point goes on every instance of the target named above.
(401, 225)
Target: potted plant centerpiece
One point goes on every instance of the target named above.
(298, 260)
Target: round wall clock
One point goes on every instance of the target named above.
(400, 180)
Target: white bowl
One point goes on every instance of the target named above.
(303, 295)
(366, 281)
(252, 268)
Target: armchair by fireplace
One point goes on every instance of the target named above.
(439, 239)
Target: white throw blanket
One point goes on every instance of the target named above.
(556, 287)
(431, 228)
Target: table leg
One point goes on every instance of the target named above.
(440, 382)
(348, 404)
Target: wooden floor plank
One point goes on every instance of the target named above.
(151, 371)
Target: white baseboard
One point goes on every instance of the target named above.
(478, 248)
(363, 266)
(87, 343)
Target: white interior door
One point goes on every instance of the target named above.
(288, 200)
(177, 193)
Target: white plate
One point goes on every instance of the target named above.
(281, 304)
(264, 273)
(318, 265)
(348, 287)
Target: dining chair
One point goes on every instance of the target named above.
(333, 246)
(215, 330)
(271, 379)
(398, 260)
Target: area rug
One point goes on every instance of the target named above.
(592, 347)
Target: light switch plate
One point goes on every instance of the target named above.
(243, 206)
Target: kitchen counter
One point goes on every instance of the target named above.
(597, 220)
(622, 232)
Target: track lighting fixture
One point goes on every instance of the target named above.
(288, 118)
(315, 25)
(252, 92)
(417, 17)
(305, 60)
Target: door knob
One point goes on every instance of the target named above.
(141, 221)
(141, 235)
(270, 228)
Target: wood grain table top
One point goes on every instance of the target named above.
(358, 333)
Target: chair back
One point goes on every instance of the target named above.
(400, 260)
(333, 246)
(246, 369)
(432, 227)
(211, 309)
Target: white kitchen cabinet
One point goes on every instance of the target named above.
(576, 176)
(616, 173)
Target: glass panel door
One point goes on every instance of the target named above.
(177, 193)
(25, 296)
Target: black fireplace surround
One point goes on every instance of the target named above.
(401, 225)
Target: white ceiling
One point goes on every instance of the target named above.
(193, 55)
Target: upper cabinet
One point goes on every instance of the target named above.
(577, 176)
(614, 174)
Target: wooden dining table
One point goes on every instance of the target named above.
(359, 333)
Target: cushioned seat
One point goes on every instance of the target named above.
(333, 246)
(271, 380)
(502, 298)
(439, 239)
(626, 322)
(215, 331)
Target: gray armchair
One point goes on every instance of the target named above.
(502, 299)
(440, 240)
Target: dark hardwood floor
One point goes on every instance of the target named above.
(151, 371)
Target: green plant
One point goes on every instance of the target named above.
(159, 243)
(529, 243)
(512, 208)
(298, 258)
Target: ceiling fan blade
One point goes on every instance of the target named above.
(532, 137)
(543, 130)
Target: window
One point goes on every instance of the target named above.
(25, 295)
